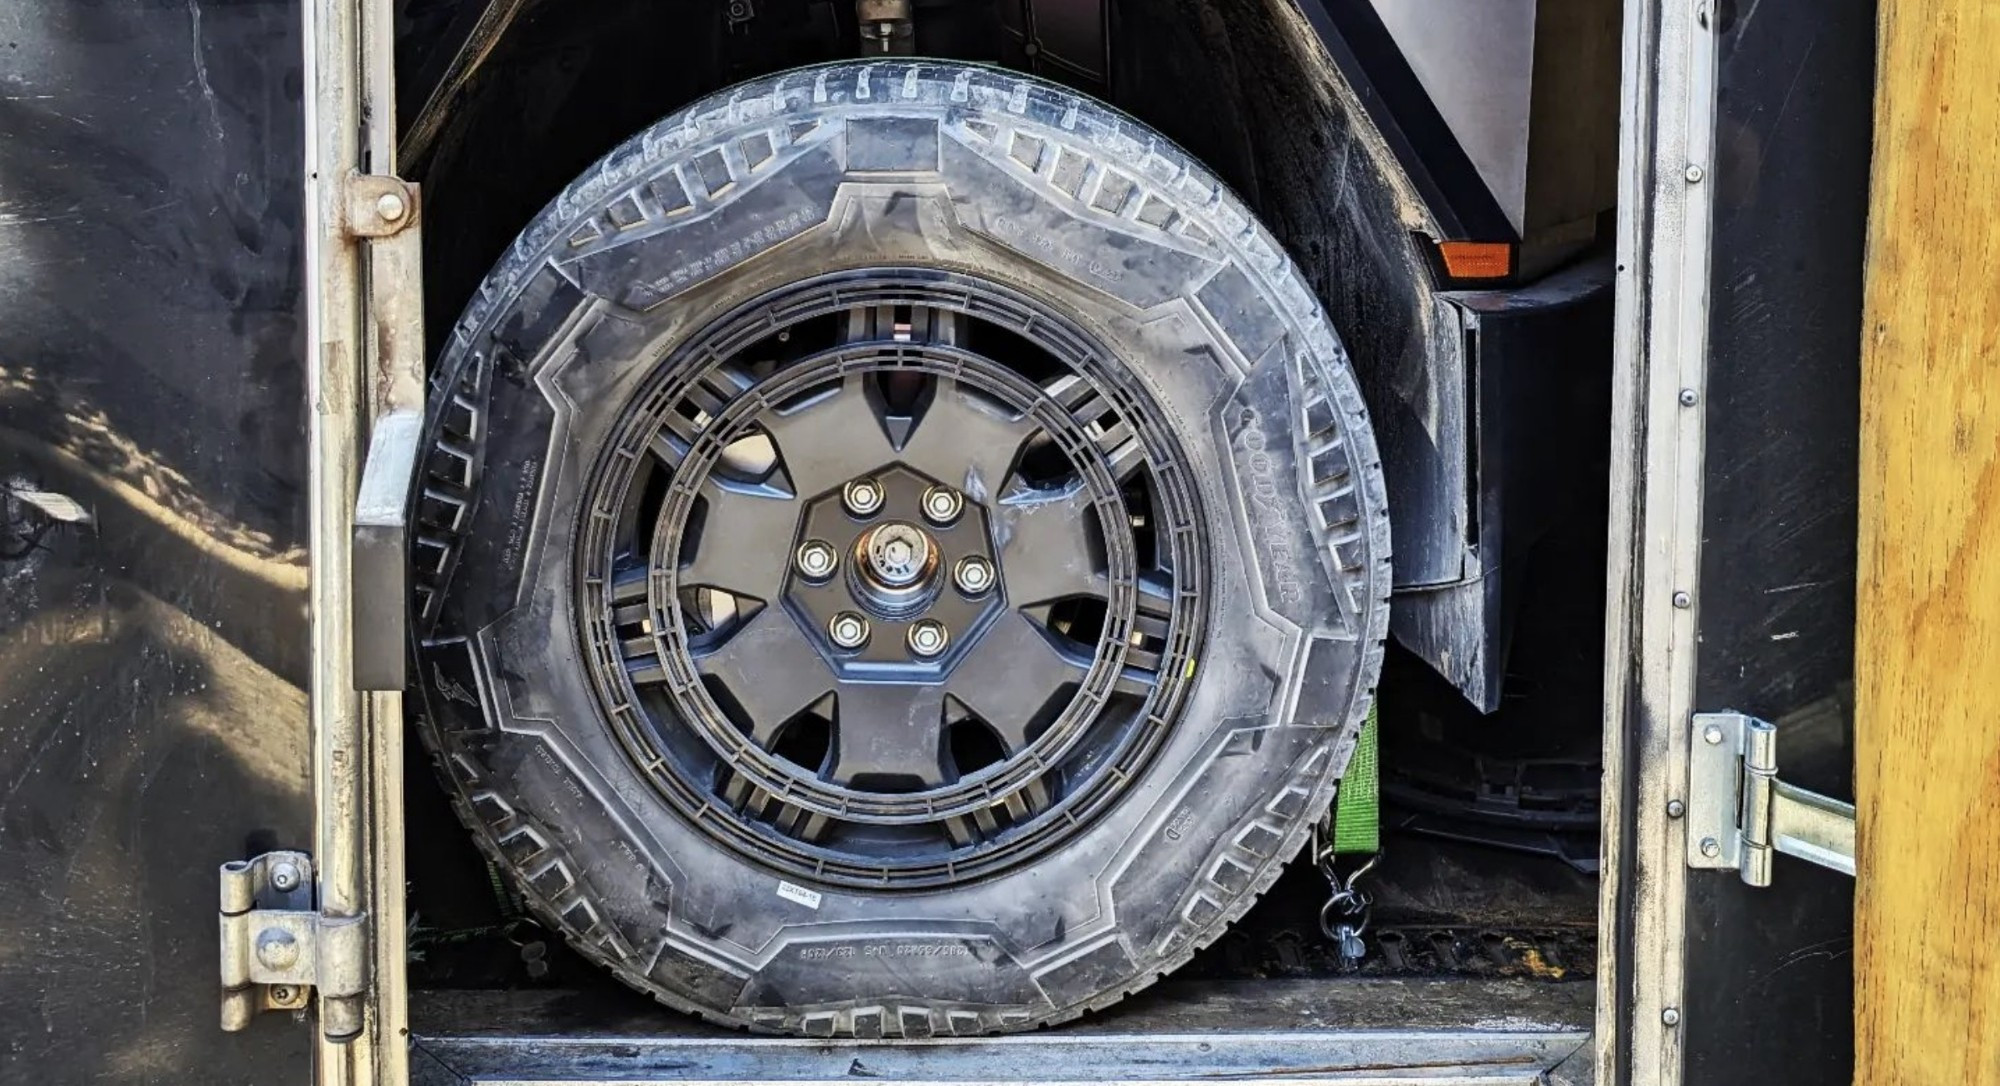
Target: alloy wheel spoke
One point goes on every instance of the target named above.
(1047, 550)
(966, 441)
(886, 732)
(831, 438)
(746, 540)
(1011, 676)
(770, 671)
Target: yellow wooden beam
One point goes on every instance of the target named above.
(1927, 654)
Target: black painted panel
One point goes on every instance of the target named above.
(1770, 972)
(152, 654)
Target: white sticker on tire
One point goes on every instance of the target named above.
(799, 894)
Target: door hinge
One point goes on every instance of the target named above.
(276, 947)
(377, 205)
(1739, 813)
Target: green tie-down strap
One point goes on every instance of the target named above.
(1357, 813)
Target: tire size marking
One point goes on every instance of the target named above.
(1017, 234)
(799, 895)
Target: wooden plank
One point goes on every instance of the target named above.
(1927, 658)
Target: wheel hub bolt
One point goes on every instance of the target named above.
(817, 559)
(848, 630)
(929, 638)
(974, 575)
(942, 505)
(863, 497)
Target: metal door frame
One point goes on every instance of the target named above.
(1666, 140)
(364, 366)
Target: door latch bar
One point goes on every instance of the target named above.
(1740, 814)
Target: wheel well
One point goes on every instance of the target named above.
(1245, 85)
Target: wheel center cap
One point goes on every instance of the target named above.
(899, 555)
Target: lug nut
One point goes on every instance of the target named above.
(848, 630)
(942, 505)
(863, 497)
(817, 560)
(974, 575)
(929, 638)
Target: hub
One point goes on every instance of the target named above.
(896, 557)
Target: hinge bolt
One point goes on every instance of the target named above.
(1710, 847)
(1712, 735)
(848, 630)
(863, 497)
(1675, 808)
(284, 878)
(391, 207)
(1671, 1016)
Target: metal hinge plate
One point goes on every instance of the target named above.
(276, 947)
(1739, 813)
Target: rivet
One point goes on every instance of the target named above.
(1671, 1016)
(390, 206)
(1675, 808)
(1694, 174)
(1683, 601)
(1712, 735)
(1689, 397)
(277, 948)
(1710, 847)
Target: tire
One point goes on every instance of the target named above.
(1017, 260)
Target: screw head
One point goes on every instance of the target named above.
(1711, 735)
(929, 638)
(284, 995)
(284, 877)
(1671, 1016)
(1689, 397)
(817, 559)
(1694, 174)
(277, 948)
(863, 497)
(942, 505)
(391, 207)
(848, 630)
(1710, 847)
(974, 575)
(1675, 808)
(1683, 601)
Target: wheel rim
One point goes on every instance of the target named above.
(780, 579)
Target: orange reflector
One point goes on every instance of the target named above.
(1477, 259)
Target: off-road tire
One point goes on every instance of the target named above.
(992, 177)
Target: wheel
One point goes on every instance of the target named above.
(902, 553)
